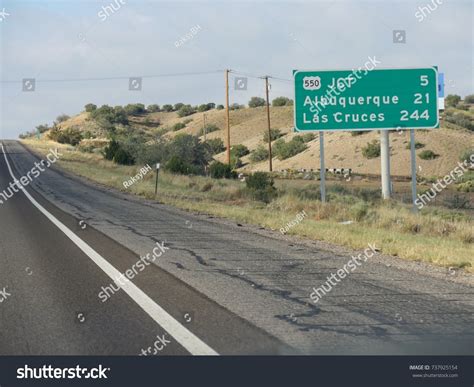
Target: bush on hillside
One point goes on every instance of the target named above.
(452, 100)
(168, 108)
(239, 150)
(259, 154)
(218, 170)
(427, 155)
(62, 118)
(284, 150)
(135, 109)
(467, 154)
(71, 136)
(274, 133)
(256, 102)
(209, 128)
(371, 150)
(469, 98)
(153, 108)
(186, 110)
(282, 101)
(90, 107)
(418, 145)
(178, 126)
(216, 145)
(236, 106)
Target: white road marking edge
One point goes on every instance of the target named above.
(182, 335)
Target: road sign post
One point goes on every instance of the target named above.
(378, 99)
(385, 164)
(413, 169)
(156, 182)
(322, 170)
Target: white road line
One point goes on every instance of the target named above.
(182, 335)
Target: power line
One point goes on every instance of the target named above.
(261, 77)
(118, 78)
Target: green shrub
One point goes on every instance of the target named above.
(135, 109)
(218, 170)
(467, 186)
(106, 116)
(418, 145)
(461, 119)
(281, 101)
(307, 137)
(466, 155)
(236, 106)
(176, 165)
(359, 211)
(168, 108)
(62, 118)
(71, 136)
(239, 150)
(116, 152)
(205, 107)
(371, 150)
(259, 154)
(42, 128)
(452, 100)
(261, 187)
(185, 110)
(469, 98)
(123, 157)
(111, 149)
(274, 133)
(153, 108)
(220, 107)
(178, 126)
(235, 161)
(427, 155)
(209, 128)
(90, 107)
(256, 102)
(216, 145)
(284, 150)
(178, 106)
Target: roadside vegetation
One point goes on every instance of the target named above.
(109, 144)
(440, 236)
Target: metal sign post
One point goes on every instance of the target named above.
(322, 171)
(156, 182)
(413, 169)
(385, 164)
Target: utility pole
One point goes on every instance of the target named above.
(385, 164)
(227, 113)
(269, 130)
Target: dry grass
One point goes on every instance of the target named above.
(442, 237)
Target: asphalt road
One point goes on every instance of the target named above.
(219, 288)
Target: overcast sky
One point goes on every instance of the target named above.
(62, 43)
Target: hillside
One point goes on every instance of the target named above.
(343, 149)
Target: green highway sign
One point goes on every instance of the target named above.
(366, 99)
